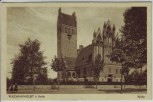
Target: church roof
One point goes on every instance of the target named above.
(68, 19)
(85, 56)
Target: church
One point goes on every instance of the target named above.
(79, 61)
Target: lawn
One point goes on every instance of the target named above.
(80, 89)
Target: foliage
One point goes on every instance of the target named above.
(98, 66)
(135, 35)
(135, 76)
(131, 49)
(42, 77)
(8, 83)
(58, 65)
(28, 62)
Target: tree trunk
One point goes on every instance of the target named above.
(33, 83)
(121, 80)
(124, 81)
(140, 78)
(96, 83)
(58, 81)
(32, 79)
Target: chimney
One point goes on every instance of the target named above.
(59, 10)
(73, 14)
(80, 47)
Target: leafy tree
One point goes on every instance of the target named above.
(135, 35)
(126, 70)
(28, 63)
(58, 65)
(8, 83)
(134, 77)
(42, 77)
(118, 56)
(98, 66)
(144, 77)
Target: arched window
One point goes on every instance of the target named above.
(69, 31)
(85, 71)
(116, 71)
(69, 74)
(78, 73)
(73, 75)
(63, 75)
(72, 31)
(109, 70)
(65, 29)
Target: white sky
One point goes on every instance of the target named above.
(40, 23)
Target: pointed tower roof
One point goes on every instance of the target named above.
(113, 27)
(99, 37)
(94, 34)
(59, 10)
(99, 31)
(108, 22)
(104, 26)
(67, 19)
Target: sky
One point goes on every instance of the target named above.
(41, 23)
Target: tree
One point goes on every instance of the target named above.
(42, 77)
(126, 70)
(144, 77)
(135, 36)
(118, 56)
(58, 65)
(98, 66)
(8, 83)
(28, 63)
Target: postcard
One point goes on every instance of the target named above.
(76, 51)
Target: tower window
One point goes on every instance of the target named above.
(116, 71)
(69, 31)
(109, 40)
(73, 75)
(65, 30)
(109, 70)
(78, 73)
(85, 71)
(120, 71)
(72, 31)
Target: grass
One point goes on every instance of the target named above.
(79, 89)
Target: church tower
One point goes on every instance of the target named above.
(108, 40)
(67, 40)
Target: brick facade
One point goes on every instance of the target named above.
(79, 61)
(67, 42)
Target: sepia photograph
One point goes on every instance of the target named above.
(76, 49)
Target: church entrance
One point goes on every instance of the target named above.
(110, 77)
